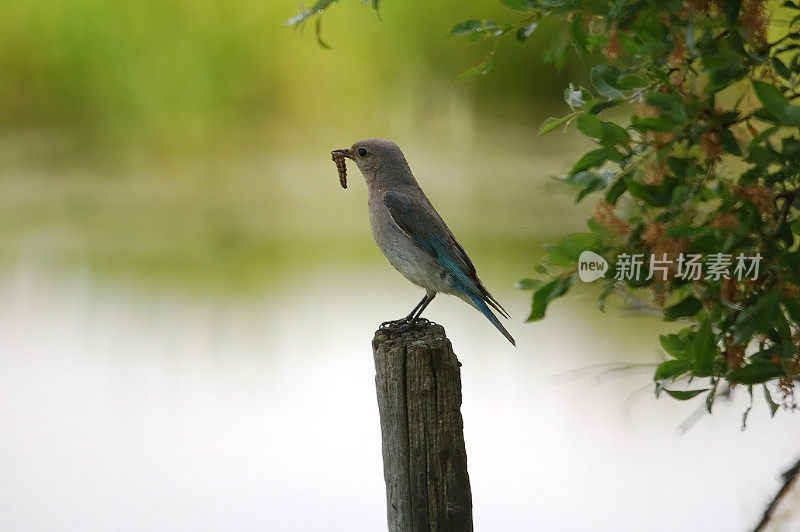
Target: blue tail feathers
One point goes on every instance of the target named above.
(481, 305)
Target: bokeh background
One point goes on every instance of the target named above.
(187, 296)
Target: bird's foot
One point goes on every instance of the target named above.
(420, 321)
(404, 324)
(393, 324)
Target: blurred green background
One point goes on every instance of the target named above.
(188, 141)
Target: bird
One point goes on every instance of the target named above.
(413, 236)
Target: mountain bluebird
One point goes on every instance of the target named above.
(412, 235)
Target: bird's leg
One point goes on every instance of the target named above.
(417, 312)
(412, 317)
(404, 324)
(415, 318)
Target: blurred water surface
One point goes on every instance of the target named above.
(127, 410)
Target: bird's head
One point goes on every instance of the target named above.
(378, 159)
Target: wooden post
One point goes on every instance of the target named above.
(418, 380)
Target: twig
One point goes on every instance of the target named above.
(789, 198)
(788, 479)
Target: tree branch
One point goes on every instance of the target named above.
(788, 479)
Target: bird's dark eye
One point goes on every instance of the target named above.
(362, 152)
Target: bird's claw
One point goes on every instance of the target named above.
(394, 323)
(404, 324)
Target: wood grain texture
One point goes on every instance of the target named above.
(418, 382)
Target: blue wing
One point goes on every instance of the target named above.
(422, 224)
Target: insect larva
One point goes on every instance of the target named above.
(338, 158)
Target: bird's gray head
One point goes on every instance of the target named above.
(381, 161)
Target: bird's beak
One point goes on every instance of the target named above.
(346, 152)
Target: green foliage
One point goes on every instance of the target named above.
(546, 293)
(706, 164)
(316, 11)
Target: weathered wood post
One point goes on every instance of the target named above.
(418, 380)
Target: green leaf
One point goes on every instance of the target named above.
(318, 34)
(547, 293)
(745, 326)
(776, 104)
(782, 70)
(703, 349)
(770, 97)
(773, 407)
(761, 137)
(793, 308)
(673, 344)
(482, 68)
(758, 316)
(593, 186)
(528, 284)
(595, 159)
(467, 27)
(617, 189)
(590, 125)
(689, 306)
(672, 104)
(526, 31)
(579, 36)
(656, 196)
(684, 395)
(764, 156)
(671, 369)
(604, 79)
(570, 247)
(558, 51)
(769, 306)
(729, 143)
(613, 134)
(552, 123)
(608, 133)
(756, 373)
(661, 123)
(680, 194)
(598, 106)
(632, 81)
(790, 148)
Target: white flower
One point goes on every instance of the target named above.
(573, 98)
